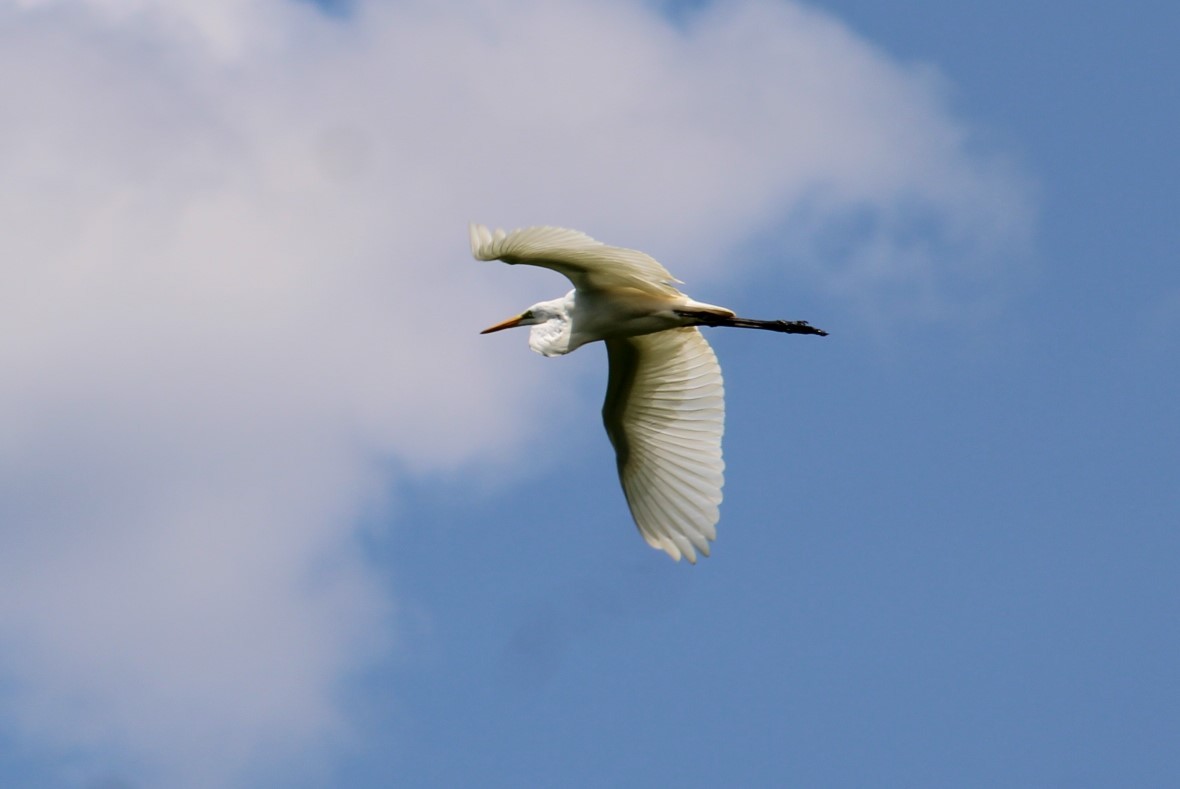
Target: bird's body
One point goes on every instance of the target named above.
(664, 410)
(592, 315)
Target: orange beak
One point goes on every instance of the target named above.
(508, 324)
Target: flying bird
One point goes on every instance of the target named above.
(665, 409)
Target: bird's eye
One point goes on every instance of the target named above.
(527, 315)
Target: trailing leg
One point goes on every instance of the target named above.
(787, 327)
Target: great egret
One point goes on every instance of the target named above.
(665, 409)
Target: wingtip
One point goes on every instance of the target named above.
(679, 549)
(678, 552)
(486, 244)
(476, 233)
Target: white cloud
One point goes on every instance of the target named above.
(234, 277)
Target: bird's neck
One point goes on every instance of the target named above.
(553, 337)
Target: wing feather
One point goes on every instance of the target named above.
(665, 415)
(589, 264)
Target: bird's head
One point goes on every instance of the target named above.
(551, 327)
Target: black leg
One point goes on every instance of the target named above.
(786, 327)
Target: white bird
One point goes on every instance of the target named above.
(665, 409)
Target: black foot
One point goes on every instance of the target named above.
(800, 327)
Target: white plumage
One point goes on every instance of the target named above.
(665, 414)
(665, 409)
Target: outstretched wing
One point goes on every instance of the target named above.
(589, 264)
(665, 414)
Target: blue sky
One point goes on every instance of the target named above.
(273, 514)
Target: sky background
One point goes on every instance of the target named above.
(273, 514)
